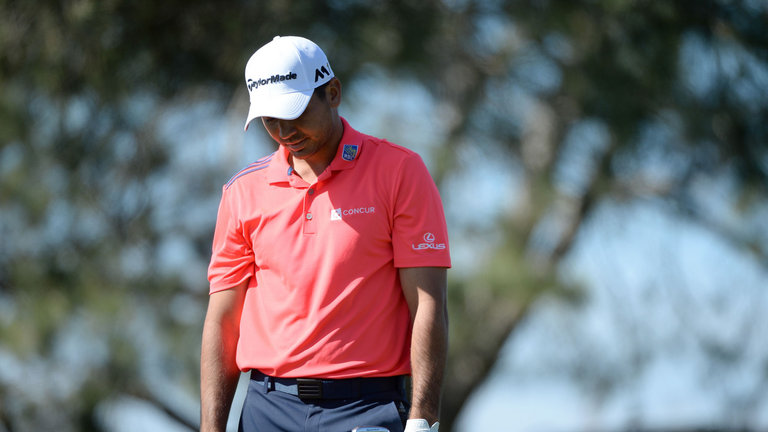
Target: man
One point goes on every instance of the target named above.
(328, 272)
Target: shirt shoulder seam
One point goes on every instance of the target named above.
(252, 167)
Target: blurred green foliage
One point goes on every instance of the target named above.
(82, 83)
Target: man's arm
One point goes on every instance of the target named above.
(218, 370)
(425, 291)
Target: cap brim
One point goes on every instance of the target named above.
(287, 106)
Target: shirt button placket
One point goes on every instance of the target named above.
(309, 223)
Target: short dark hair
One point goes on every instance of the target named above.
(320, 90)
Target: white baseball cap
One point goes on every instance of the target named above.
(282, 75)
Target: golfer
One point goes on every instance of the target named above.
(328, 271)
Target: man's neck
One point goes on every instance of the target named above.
(307, 171)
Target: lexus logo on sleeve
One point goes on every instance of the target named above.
(429, 243)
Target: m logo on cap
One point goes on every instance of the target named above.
(320, 73)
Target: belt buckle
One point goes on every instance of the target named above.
(309, 388)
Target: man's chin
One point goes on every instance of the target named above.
(297, 151)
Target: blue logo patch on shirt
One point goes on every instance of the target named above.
(349, 153)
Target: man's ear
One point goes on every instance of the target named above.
(333, 92)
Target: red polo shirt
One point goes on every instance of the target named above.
(324, 298)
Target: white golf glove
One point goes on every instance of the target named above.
(420, 425)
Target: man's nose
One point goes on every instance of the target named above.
(285, 128)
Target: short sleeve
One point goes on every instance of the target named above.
(232, 259)
(419, 231)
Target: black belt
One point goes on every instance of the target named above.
(350, 388)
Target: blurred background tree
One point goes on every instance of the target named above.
(107, 202)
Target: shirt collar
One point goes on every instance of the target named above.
(279, 170)
(349, 151)
(350, 148)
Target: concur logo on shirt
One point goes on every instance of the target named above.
(429, 243)
(339, 213)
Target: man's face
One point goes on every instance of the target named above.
(311, 136)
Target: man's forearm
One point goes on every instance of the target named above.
(429, 346)
(218, 376)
